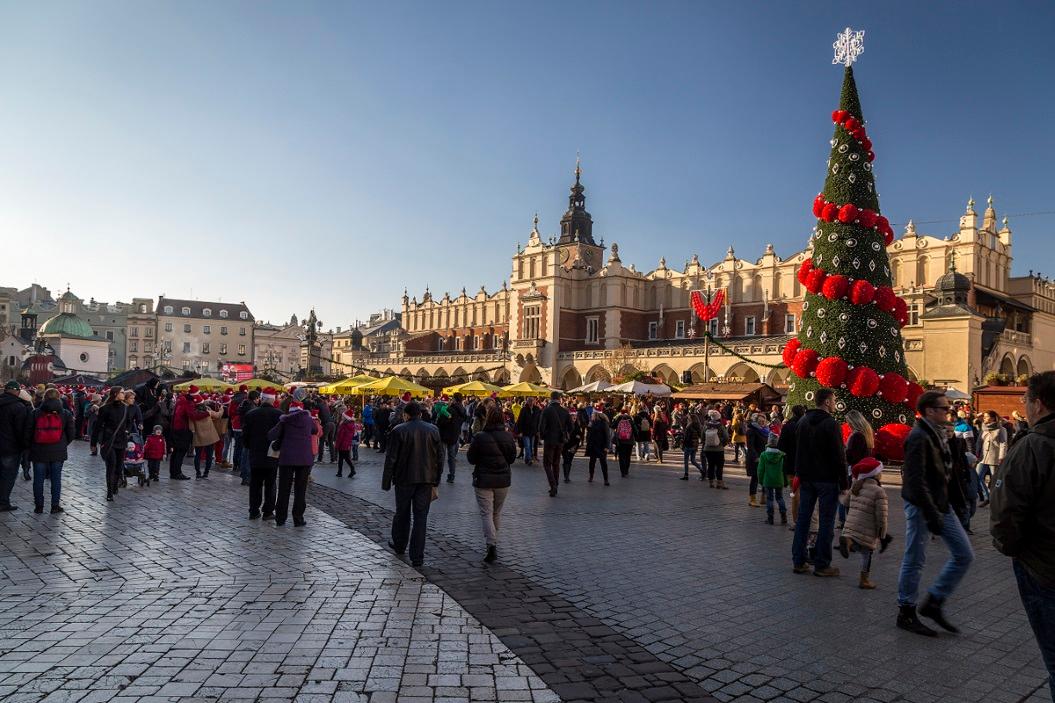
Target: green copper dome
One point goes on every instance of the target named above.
(67, 325)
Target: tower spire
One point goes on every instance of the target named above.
(576, 218)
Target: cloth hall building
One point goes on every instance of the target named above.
(572, 312)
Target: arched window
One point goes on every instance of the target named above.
(206, 312)
(223, 313)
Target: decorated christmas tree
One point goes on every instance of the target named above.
(850, 339)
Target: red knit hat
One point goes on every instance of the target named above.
(869, 467)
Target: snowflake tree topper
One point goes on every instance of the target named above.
(848, 46)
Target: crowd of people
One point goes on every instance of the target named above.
(954, 463)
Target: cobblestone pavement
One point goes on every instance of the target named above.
(171, 594)
(696, 578)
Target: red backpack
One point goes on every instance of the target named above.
(48, 428)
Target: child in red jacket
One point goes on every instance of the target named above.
(154, 452)
(347, 442)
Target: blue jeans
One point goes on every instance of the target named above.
(53, 470)
(1039, 604)
(775, 495)
(690, 455)
(916, 538)
(529, 448)
(452, 458)
(823, 496)
(984, 470)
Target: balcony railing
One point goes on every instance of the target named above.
(1017, 338)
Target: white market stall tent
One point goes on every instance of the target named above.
(639, 388)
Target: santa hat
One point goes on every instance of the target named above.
(314, 412)
(406, 397)
(444, 398)
(268, 395)
(348, 416)
(193, 390)
(243, 388)
(869, 467)
(295, 404)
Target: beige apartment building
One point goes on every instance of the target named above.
(202, 336)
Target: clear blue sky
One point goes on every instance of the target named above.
(331, 153)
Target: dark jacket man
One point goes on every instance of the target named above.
(255, 425)
(789, 444)
(926, 477)
(554, 424)
(819, 452)
(14, 414)
(1022, 520)
(415, 455)
(451, 427)
(47, 453)
(527, 422)
(491, 452)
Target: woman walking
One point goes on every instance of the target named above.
(598, 439)
(757, 438)
(715, 437)
(993, 448)
(490, 453)
(205, 435)
(859, 445)
(660, 428)
(293, 434)
(49, 431)
(690, 440)
(110, 435)
(739, 434)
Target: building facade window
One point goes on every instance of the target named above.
(241, 350)
(241, 331)
(223, 314)
(185, 311)
(913, 314)
(186, 329)
(532, 321)
(168, 309)
(149, 333)
(205, 348)
(679, 329)
(186, 347)
(712, 326)
(223, 330)
(653, 330)
(789, 323)
(223, 348)
(109, 336)
(592, 325)
(133, 362)
(750, 326)
(206, 312)
(167, 346)
(206, 329)
(133, 346)
(243, 315)
(133, 332)
(168, 326)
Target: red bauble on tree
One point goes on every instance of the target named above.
(862, 292)
(863, 381)
(835, 287)
(804, 270)
(885, 298)
(815, 281)
(893, 387)
(790, 351)
(830, 212)
(818, 205)
(850, 124)
(901, 311)
(914, 392)
(839, 115)
(805, 363)
(831, 372)
(866, 217)
(890, 441)
(847, 213)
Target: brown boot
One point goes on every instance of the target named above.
(864, 583)
(753, 502)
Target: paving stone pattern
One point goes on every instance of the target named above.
(171, 594)
(697, 579)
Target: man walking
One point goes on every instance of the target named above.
(450, 427)
(256, 423)
(932, 494)
(14, 414)
(820, 464)
(554, 429)
(527, 427)
(413, 463)
(1021, 518)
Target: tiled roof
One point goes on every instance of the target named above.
(197, 308)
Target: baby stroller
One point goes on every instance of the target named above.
(134, 463)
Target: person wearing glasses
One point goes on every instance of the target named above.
(932, 496)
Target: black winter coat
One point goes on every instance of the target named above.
(820, 455)
(926, 479)
(527, 422)
(14, 413)
(112, 427)
(255, 425)
(491, 452)
(451, 427)
(599, 436)
(788, 444)
(415, 454)
(554, 424)
(50, 452)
